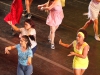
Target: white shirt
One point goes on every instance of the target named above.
(31, 31)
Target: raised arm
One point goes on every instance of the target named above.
(98, 0)
(9, 48)
(15, 28)
(43, 5)
(50, 7)
(65, 45)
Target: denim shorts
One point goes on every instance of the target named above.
(24, 70)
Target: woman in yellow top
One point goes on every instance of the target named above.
(81, 48)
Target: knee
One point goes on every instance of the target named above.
(95, 22)
(89, 22)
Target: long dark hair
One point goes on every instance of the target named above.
(27, 40)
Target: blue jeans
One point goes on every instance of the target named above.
(24, 70)
(34, 49)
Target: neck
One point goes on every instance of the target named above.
(80, 43)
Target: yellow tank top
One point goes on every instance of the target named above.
(80, 51)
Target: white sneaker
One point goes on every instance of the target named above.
(52, 46)
(97, 37)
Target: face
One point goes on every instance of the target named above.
(22, 41)
(79, 38)
(27, 26)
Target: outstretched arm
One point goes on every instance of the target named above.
(9, 48)
(50, 7)
(43, 5)
(65, 45)
(15, 28)
(98, 0)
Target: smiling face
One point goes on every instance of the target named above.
(27, 26)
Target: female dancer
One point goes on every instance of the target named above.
(80, 53)
(54, 19)
(93, 12)
(28, 30)
(24, 56)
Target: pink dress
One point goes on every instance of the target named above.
(55, 16)
(15, 13)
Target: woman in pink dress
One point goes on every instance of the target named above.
(54, 18)
(13, 17)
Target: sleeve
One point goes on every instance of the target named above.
(20, 29)
(30, 54)
(33, 32)
(17, 46)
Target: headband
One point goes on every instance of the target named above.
(81, 34)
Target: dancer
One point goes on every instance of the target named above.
(24, 56)
(28, 30)
(54, 19)
(93, 12)
(81, 48)
(27, 12)
(15, 13)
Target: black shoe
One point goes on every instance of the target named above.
(29, 16)
(24, 13)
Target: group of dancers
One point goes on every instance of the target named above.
(28, 44)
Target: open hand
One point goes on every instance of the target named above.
(7, 51)
(71, 54)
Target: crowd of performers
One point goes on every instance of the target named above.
(28, 45)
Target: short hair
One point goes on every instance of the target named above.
(31, 22)
(84, 32)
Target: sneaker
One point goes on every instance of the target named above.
(52, 46)
(29, 16)
(97, 37)
(24, 13)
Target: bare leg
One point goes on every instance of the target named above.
(77, 72)
(96, 26)
(96, 29)
(49, 37)
(52, 35)
(87, 24)
(27, 6)
(82, 71)
(30, 2)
